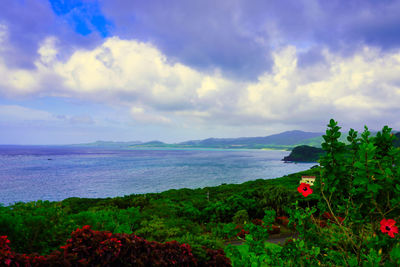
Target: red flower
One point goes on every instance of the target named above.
(304, 189)
(387, 226)
(86, 227)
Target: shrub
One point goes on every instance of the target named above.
(87, 247)
(241, 217)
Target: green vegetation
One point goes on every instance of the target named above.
(351, 216)
(200, 217)
(396, 142)
(307, 153)
(349, 219)
(304, 154)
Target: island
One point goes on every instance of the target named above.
(304, 153)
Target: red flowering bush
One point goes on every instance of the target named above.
(274, 229)
(257, 222)
(6, 255)
(322, 224)
(103, 248)
(304, 189)
(388, 226)
(217, 258)
(87, 247)
(329, 216)
(283, 220)
(242, 233)
(91, 247)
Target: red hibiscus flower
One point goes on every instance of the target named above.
(387, 226)
(304, 189)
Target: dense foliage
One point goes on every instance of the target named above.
(304, 154)
(351, 214)
(396, 141)
(99, 248)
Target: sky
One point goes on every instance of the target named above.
(78, 71)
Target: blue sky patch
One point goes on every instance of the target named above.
(84, 17)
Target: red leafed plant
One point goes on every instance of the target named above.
(274, 229)
(242, 233)
(103, 248)
(257, 222)
(328, 216)
(6, 255)
(216, 258)
(283, 220)
(87, 247)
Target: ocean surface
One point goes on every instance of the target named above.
(30, 173)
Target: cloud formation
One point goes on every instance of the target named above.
(28, 23)
(155, 89)
(19, 113)
(213, 66)
(239, 37)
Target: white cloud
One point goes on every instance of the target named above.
(48, 51)
(130, 74)
(19, 113)
(142, 116)
(365, 84)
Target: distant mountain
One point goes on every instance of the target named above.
(285, 140)
(109, 144)
(152, 144)
(288, 138)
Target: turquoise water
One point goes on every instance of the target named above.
(30, 173)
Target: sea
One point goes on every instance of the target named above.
(54, 173)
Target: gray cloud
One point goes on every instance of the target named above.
(239, 36)
(202, 34)
(28, 23)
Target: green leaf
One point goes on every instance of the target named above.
(395, 254)
(388, 172)
(398, 187)
(360, 181)
(358, 165)
(353, 262)
(374, 188)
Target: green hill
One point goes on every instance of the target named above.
(304, 154)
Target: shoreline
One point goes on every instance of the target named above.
(271, 181)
